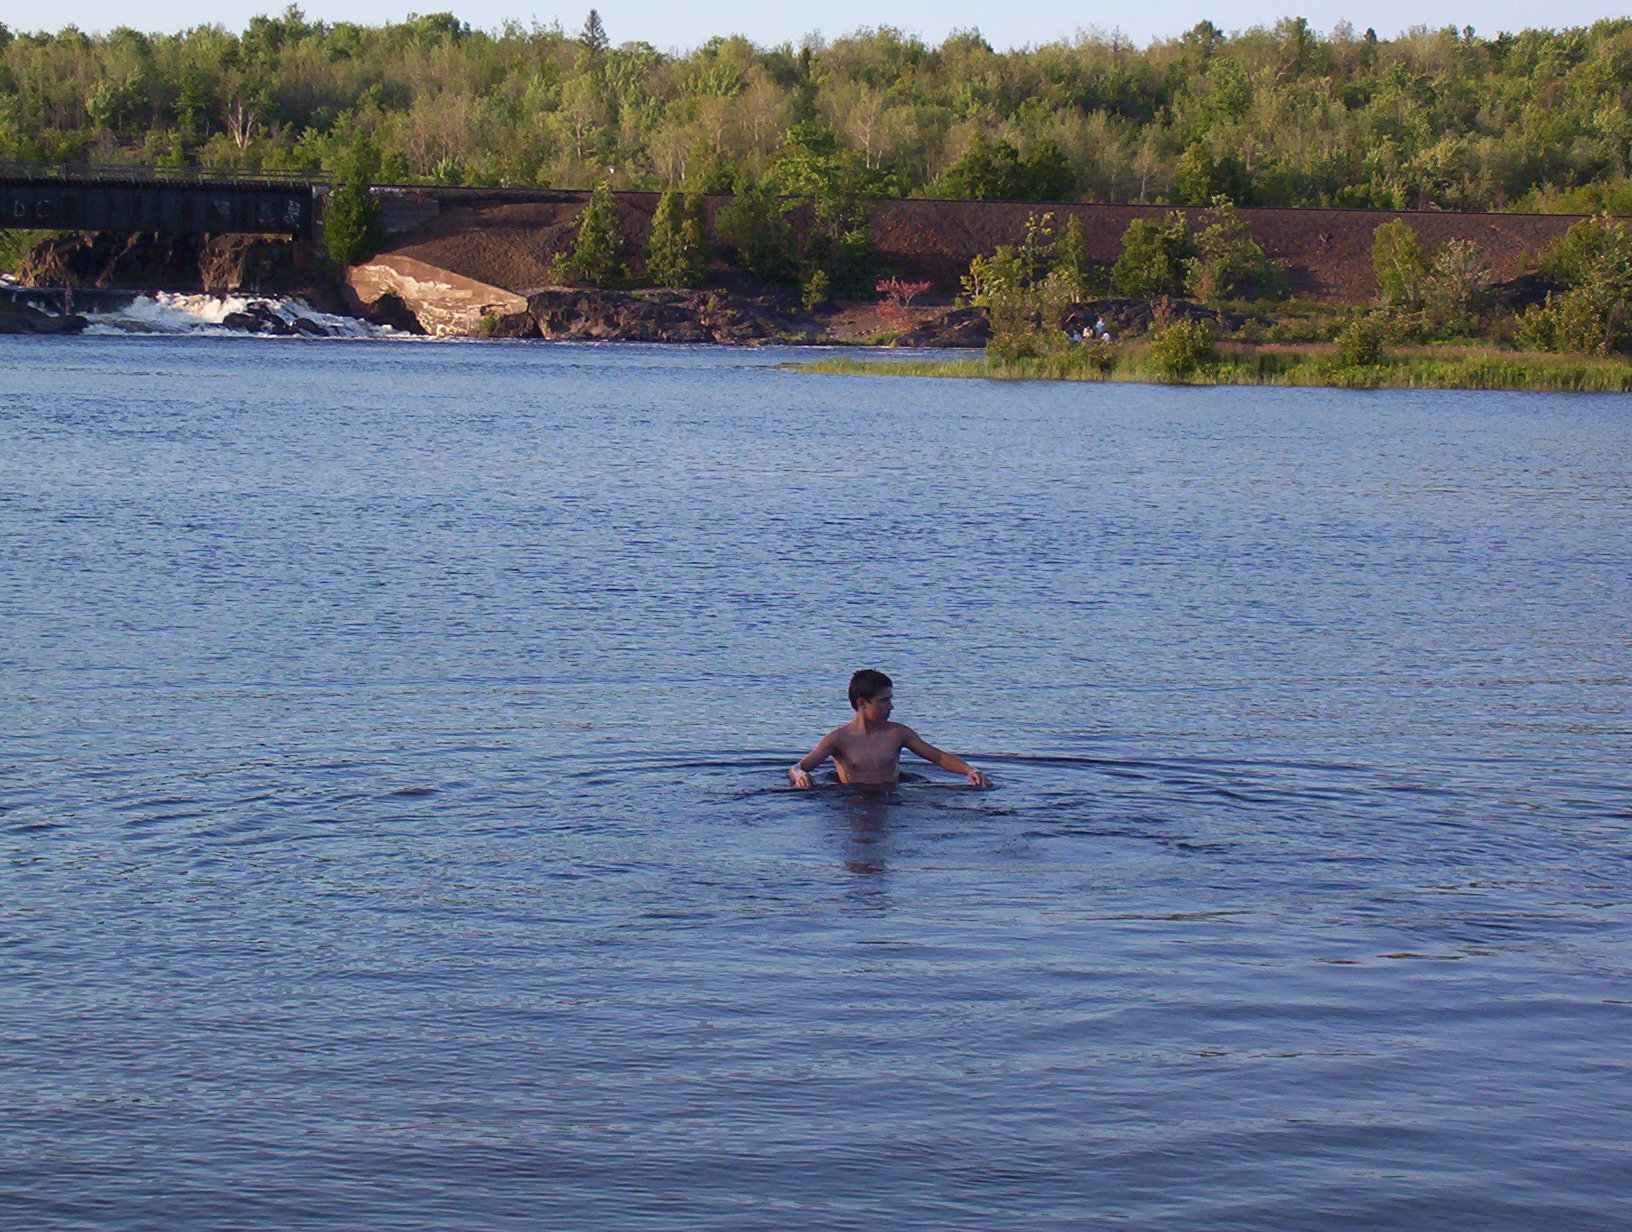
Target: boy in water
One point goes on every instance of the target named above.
(866, 751)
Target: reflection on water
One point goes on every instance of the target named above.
(397, 835)
(866, 812)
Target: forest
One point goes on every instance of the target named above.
(1433, 119)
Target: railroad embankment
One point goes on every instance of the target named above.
(478, 262)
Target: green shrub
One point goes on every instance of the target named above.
(815, 289)
(1591, 248)
(1102, 357)
(1594, 316)
(1457, 290)
(1177, 349)
(1360, 342)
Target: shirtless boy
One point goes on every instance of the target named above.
(866, 751)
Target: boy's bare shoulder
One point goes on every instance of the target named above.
(841, 736)
(899, 731)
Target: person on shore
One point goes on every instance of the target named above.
(866, 751)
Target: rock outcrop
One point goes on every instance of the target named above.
(440, 301)
(17, 317)
(670, 316)
(957, 327)
(262, 317)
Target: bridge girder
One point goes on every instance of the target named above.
(90, 202)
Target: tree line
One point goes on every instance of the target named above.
(1280, 115)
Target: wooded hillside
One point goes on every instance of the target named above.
(1287, 116)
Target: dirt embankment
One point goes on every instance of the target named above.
(1327, 253)
(477, 261)
(507, 242)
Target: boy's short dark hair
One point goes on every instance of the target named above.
(866, 685)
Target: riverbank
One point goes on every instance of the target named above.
(1286, 365)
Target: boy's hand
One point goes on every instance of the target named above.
(977, 779)
(798, 777)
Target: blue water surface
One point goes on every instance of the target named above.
(395, 833)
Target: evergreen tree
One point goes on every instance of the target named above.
(695, 246)
(676, 249)
(995, 171)
(593, 36)
(351, 220)
(1045, 175)
(351, 225)
(754, 226)
(597, 252)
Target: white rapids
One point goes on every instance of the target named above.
(172, 313)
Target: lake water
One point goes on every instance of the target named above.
(395, 833)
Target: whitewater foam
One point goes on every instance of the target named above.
(173, 313)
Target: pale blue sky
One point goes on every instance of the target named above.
(683, 26)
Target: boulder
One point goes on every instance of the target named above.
(1525, 291)
(957, 327)
(257, 317)
(390, 310)
(20, 318)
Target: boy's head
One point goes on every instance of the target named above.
(866, 685)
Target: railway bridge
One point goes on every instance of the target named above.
(95, 198)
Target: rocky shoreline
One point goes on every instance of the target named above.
(412, 297)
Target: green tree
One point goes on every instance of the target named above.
(996, 171)
(1402, 271)
(1045, 174)
(754, 226)
(351, 220)
(1227, 259)
(1200, 177)
(1071, 260)
(836, 183)
(676, 253)
(597, 250)
(1456, 291)
(1154, 252)
(1024, 293)
(351, 224)
(1593, 315)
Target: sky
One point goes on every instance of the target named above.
(681, 27)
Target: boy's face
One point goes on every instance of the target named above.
(877, 709)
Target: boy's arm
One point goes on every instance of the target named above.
(799, 772)
(946, 761)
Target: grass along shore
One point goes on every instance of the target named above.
(1277, 364)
